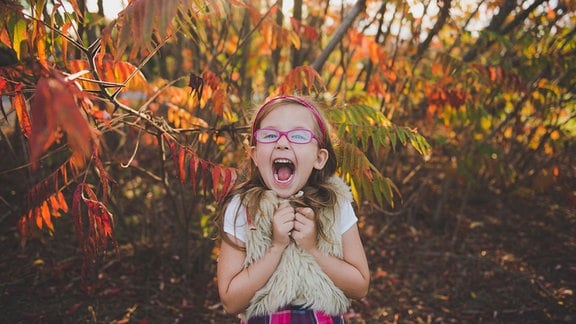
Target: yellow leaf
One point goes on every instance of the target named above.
(476, 224)
(485, 123)
(294, 39)
(38, 262)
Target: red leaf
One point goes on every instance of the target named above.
(54, 106)
(229, 180)
(3, 83)
(193, 167)
(105, 178)
(181, 161)
(216, 173)
(174, 150)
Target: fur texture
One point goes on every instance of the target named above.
(298, 280)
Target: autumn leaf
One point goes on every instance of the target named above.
(181, 165)
(230, 177)
(111, 71)
(216, 173)
(46, 216)
(304, 31)
(219, 101)
(193, 168)
(139, 21)
(301, 78)
(94, 225)
(19, 104)
(54, 109)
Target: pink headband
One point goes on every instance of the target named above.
(301, 101)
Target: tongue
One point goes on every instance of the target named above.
(284, 173)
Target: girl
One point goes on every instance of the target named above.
(291, 251)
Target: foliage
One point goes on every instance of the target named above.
(145, 117)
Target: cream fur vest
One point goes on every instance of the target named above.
(298, 279)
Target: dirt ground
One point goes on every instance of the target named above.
(494, 260)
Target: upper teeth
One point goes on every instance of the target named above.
(282, 161)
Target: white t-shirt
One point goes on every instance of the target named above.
(347, 218)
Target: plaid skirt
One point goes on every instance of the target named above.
(295, 315)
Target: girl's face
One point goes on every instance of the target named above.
(284, 166)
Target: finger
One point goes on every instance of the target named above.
(302, 219)
(306, 212)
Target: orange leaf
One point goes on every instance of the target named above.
(110, 70)
(19, 104)
(57, 203)
(53, 202)
(65, 29)
(38, 216)
(76, 8)
(5, 37)
(218, 101)
(41, 52)
(46, 216)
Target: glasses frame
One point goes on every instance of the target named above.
(286, 134)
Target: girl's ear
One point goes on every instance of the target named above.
(321, 159)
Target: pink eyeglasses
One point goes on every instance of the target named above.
(296, 136)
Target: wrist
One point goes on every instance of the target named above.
(315, 252)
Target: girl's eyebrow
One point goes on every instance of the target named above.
(291, 129)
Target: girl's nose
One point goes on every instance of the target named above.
(282, 142)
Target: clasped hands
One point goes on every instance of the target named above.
(296, 223)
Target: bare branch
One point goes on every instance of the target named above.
(359, 7)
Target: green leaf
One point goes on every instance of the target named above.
(19, 34)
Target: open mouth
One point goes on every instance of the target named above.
(283, 170)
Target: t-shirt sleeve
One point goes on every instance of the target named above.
(347, 217)
(235, 226)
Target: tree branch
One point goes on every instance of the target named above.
(444, 14)
(359, 7)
